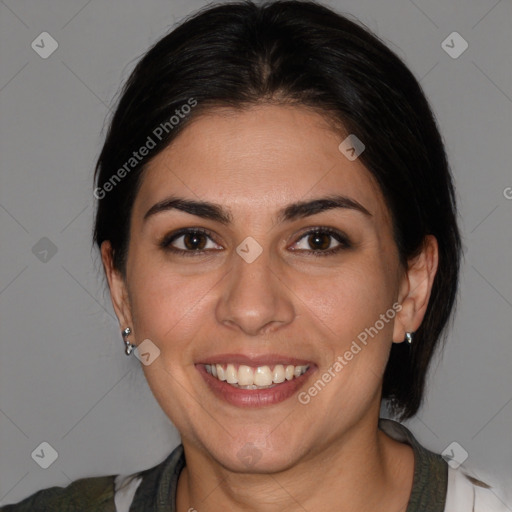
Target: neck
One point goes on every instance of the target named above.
(363, 470)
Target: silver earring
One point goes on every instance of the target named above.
(409, 336)
(128, 346)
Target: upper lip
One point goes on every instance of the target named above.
(255, 360)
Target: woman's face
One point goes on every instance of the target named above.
(257, 290)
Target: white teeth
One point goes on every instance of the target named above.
(262, 376)
(221, 375)
(245, 375)
(248, 377)
(231, 375)
(279, 375)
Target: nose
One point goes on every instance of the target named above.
(255, 299)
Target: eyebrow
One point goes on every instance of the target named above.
(218, 213)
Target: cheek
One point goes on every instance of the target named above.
(170, 309)
(166, 304)
(350, 300)
(353, 325)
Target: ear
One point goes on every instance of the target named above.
(415, 289)
(118, 289)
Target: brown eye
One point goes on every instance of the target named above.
(194, 241)
(322, 242)
(189, 242)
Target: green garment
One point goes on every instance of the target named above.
(157, 491)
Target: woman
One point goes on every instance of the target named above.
(277, 224)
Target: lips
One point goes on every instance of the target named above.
(254, 381)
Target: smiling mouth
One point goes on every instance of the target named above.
(260, 377)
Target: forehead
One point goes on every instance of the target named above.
(263, 157)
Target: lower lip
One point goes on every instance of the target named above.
(253, 397)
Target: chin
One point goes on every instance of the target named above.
(250, 459)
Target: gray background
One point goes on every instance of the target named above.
(64, 378)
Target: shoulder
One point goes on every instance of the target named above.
(457, 489)
(114, 493)
(86, 494)
(466, 493)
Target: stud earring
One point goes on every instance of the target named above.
(128, 346)
(409, 337)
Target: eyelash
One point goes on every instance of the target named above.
(344, 242)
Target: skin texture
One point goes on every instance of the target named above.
(328, 453)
